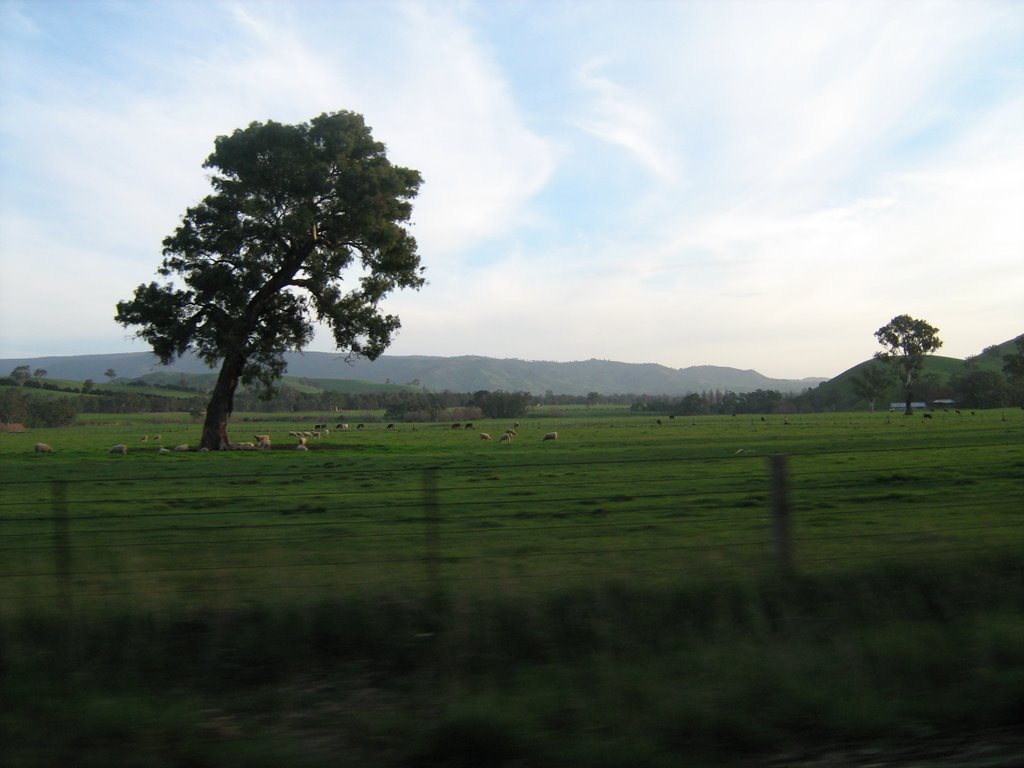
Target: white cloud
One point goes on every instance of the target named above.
(744, 183)
(616, 114)
(450, 116)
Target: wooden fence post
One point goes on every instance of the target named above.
(62, 544)
(781, 529)
(433, 532)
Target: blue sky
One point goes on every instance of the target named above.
(751, 184)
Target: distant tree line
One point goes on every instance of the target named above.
(979, 385)
(717, 402)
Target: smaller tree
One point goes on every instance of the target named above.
(980, 388)
(1013, 368)
(110, 373)
(906, 341)
(13, 406)
(1013, 363)
(21, 374)
(39, 373)
(51, 412)
(872, 383)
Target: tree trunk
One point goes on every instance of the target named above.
(910, 399)
(222, 402)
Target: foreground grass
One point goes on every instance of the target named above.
(603, 676)
(424, 598)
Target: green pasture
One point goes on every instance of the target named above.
(419, 596)
(425, 507)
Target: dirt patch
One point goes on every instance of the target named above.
(13, 427)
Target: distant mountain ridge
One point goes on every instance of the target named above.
(468, 373)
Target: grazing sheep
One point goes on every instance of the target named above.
(301, 447)
(42, 448)
(164, 450)
(263, 441)
(484, 436)
(511, 432)
(391, 426)
(550, 436)
(120, 448)
(468, 425)
(343, 427)
(456, 425)
(183, 448)
(506, 438)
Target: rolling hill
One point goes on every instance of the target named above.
(456, 374)
(937, 372)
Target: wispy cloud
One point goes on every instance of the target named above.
(615, 114)
(742, 183)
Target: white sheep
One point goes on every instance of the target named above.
(301, 447)
(181, 448)
(264, 442)
(42, 448)
(245, 446)
(506, 438)
(120, 448)
(550, 436)
(164, 450)
(484, 436)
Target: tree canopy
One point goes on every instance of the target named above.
(906, 341)
(306, 223)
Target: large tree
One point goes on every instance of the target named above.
(306, 223)
(906, 341)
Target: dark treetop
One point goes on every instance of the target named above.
(306, 224)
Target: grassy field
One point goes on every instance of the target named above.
(419, 596)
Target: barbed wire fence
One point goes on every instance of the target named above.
(64, 547)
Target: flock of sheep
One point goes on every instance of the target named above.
(264, 443)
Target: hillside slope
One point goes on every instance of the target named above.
(456, 374)
(935, 377)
